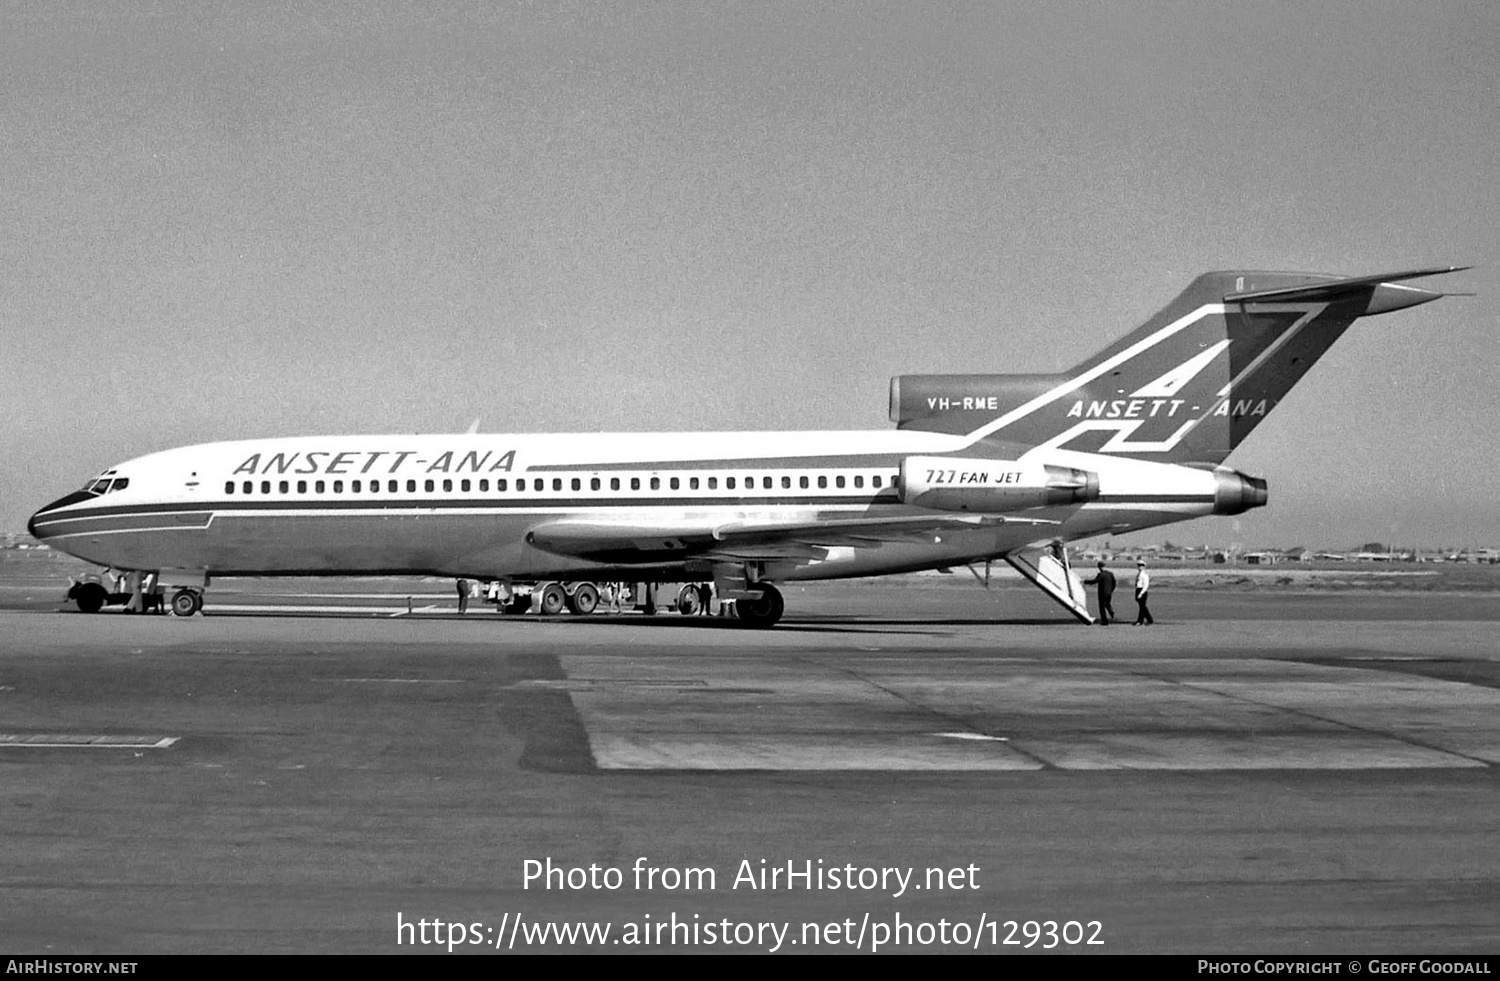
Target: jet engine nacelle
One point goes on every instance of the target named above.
(948, 483)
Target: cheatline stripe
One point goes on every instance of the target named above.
(539, 508)
(881, 498)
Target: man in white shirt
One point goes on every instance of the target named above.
(1142, 587)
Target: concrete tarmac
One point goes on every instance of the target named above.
(1314, 784)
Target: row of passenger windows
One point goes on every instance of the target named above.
(539, 484)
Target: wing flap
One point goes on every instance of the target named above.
(749, 540)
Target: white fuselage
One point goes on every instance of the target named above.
(462, 505)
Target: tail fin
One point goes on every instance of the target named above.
(1187, 386)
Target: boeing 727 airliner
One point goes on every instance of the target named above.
(979, 467)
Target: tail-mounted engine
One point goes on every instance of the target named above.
(954, 484)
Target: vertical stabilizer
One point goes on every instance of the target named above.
(1187, 386)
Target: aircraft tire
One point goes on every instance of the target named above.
(688, 603)
(553, 600)
(764, 610)
(585, 599)
(186, 602)
(90, 597)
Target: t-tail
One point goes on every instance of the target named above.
(1187, 386)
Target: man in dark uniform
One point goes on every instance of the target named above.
(1106, 581)
(463, 596)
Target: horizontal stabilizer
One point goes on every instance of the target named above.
(1334, 288)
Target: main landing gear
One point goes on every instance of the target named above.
(762, 610)
(186, 602)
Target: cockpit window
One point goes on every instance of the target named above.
(103, 485)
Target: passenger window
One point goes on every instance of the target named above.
(713, 483)
(557, 483)
(265, 487)
(693, 483)
(248, 488)
(391, 486)
(301, 487)
(411, 487)
(447, 487)
(786, 483)
(838, 481)
(484, 485)
(674, 483)
(656, 483)
(875, 481)
(822, 483)
(283, 487)
(229, 487)
(802, 483)
(859, 481)
(614, 483)
(427, 486)
(538, 484)
(593, 483)
(635, 483)
(355, 486)
(576, 484)
(464, 486)
(319, 486)
(338, 487)
(766, 482)
(729, 483)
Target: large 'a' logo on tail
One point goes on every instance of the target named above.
(1168, 405)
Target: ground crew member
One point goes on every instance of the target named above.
(1142, 587)
(463, 596)
(1106, 581)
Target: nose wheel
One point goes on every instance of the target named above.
(186, 602)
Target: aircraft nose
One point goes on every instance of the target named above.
(61, 502)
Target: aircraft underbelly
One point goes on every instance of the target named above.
(355, 543)
(434, 541)
(176, 539)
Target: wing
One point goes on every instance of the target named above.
(747, 540)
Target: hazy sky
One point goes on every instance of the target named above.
(252, 219)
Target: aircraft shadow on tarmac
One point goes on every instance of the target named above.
(804, 624)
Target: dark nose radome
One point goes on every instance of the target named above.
(61, 502)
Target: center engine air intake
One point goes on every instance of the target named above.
(952, 484)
